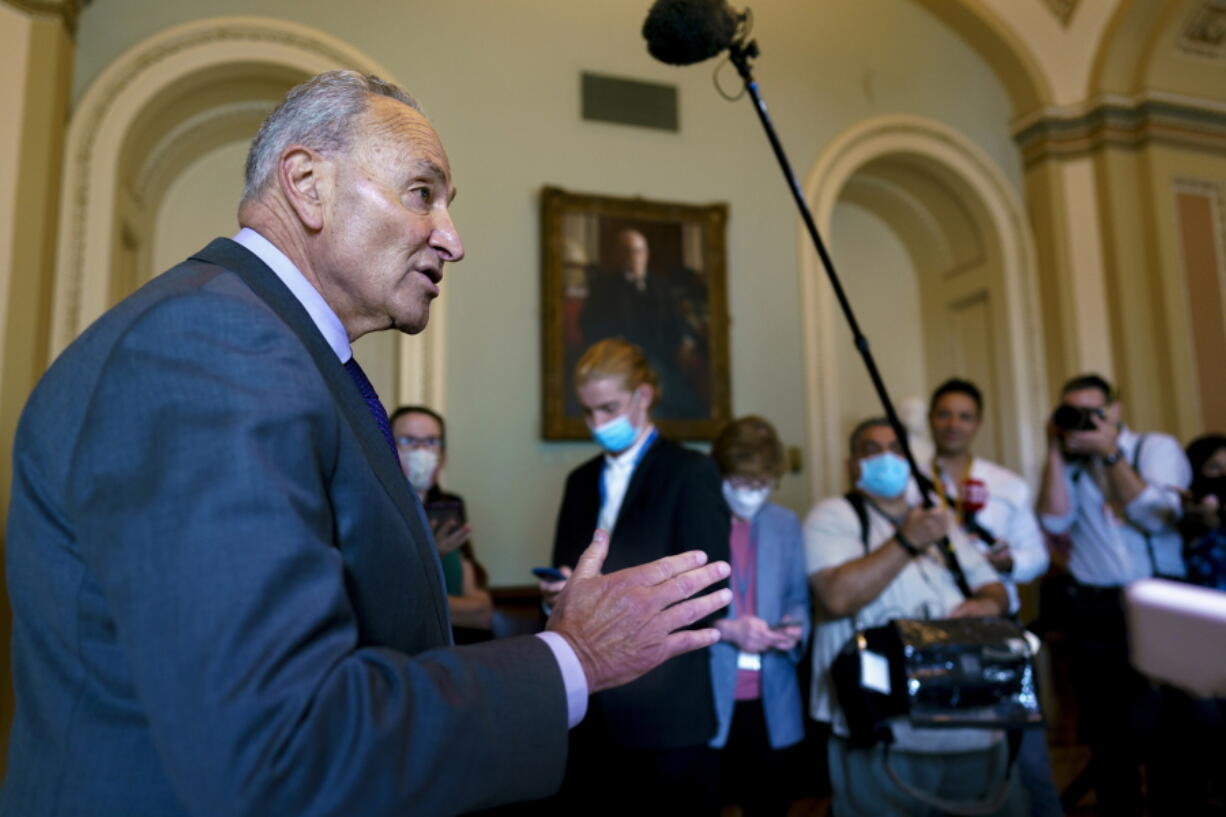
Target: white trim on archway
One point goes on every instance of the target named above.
(104, 120)
(931, 143)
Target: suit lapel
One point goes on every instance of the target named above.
(265, 284)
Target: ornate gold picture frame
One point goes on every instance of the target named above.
(651, 272)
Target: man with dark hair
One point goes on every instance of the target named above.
(224, 598)
(994, 507)
(1116, 494)
(873, 557)
(991, 503)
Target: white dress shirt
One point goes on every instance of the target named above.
(618, 469)
(1110, 551)
(334, 333)
(923, 589)
(1008, 515)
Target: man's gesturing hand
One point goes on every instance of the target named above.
(622, 625)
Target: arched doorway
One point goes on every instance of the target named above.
(174, 111)
(938, 261)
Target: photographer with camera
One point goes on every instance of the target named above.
(1117, 495)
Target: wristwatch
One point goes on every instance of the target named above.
(1112, 459)
(911, 549)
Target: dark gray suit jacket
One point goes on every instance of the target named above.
(225, 598)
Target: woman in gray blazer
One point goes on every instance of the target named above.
(753, 667)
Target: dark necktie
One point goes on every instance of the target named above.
(372, 402)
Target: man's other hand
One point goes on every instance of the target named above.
(626, 623)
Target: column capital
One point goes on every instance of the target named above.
(68, 11)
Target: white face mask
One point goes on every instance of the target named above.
(419, 466)
(745, 502)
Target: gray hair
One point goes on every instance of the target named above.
(320, 113)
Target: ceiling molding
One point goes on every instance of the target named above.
(68, 11)
(1063, 9)
(1121, 122)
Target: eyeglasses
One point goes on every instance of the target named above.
(419, 442)
(749, 483)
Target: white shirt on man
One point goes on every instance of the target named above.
(1008, 515)
(923, 589)
(618, 469)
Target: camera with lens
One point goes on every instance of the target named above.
(1076, 418)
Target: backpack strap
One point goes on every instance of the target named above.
(857, 505)
(946, 549)
(1149, 542)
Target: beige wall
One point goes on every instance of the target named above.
(873, 260)
(1166, 170)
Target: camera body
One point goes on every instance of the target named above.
(1075, 418)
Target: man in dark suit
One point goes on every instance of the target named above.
(226, 598)
(655, 497)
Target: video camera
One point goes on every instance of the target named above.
(1075, 418)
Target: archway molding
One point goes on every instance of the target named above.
(940, 152)
(173, 79)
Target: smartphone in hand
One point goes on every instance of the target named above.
(443, 511)
(549, 574)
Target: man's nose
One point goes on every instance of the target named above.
(445, 237)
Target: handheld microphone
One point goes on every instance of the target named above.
(974, 499)
(682, 32)
(974, 495)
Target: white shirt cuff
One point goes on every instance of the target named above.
(573, 676)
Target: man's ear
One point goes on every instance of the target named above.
(647, 396)
(1113, 412)
(304, 177)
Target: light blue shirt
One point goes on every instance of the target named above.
(334, 333)
(1109, 551)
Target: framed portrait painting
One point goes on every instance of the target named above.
(651, 272)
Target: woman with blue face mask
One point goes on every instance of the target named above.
(754, 666)
(645, 742)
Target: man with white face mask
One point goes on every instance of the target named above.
(421, 444)
(872, 558)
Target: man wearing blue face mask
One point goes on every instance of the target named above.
(871, 558)
(647, 743)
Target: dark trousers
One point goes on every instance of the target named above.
(1117, 707)
(1190, 780)
(761, 780)
(603, 778)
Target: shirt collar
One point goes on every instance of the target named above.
(325, 320)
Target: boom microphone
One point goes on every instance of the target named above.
(681, 32)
